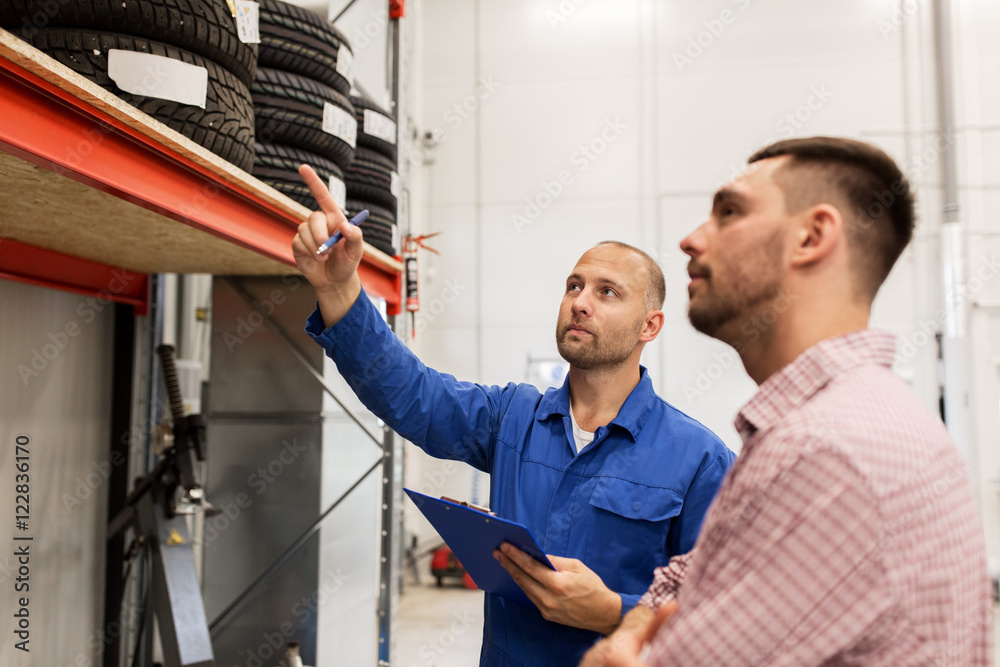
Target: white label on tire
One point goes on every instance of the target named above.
(380, 126)
(338, 190)
(394, 184)
(339, 123)
(157, 76)
(345, 64)
(248, 21)
(395, 236)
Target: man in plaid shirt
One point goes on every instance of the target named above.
(846, 533)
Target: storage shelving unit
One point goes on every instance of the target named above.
(98, 198)
(89, 177)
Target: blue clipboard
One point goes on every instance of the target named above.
(473, 535)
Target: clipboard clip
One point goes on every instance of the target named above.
(484, 510)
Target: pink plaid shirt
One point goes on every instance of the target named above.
(845, 534)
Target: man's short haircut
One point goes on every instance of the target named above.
(864, 183)
(656, 288)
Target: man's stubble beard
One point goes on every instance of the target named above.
(602, 352)
(754, 284)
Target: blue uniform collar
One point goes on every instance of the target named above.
(632, 415)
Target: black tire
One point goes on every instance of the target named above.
(382, 243)
(375, 211)
(288, 109)
(379, 237)
(297, 40)
(384, 247)
(370, 140)
(204, 27)
(278, 165)
(369, 178)
(377, 163)
(379, 228)
(376, 195)
(224, 126)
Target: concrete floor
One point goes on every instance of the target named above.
(439, 627)
(442, 627)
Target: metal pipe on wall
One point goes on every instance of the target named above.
(123, 373)
(146, 413)
(171, 290)
(477, 168)
(955, 343)
(392, 461)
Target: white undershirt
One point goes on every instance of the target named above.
(582, 438)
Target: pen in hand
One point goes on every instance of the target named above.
(332, 241)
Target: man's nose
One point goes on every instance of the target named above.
(693, 244)
(581, 304)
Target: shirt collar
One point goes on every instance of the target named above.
(794, 384)
(631, 416)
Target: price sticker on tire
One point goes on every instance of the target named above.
(345, 63)
(379, 126)
(248, 21)
(340, 124)
(338, 190)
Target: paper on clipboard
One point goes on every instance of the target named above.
(473, 535)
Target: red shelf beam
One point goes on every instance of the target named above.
(37, 266)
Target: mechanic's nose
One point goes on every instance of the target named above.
(581, 304)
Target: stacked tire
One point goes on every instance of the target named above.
(301, 104)
(371, 180)
(200, 33)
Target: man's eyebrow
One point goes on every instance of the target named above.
(607, 282)
(726, 194)
(599, 281)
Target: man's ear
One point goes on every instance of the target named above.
(652, 327)
(820, 230)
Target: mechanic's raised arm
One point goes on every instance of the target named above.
(444, 417)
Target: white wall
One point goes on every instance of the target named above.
(56, 357)
(513, 90)
(979, 118)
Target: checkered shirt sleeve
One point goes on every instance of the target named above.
(666, 582)
(805, 564)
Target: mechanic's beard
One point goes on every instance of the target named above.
(600, 352)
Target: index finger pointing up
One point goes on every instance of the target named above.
(319, 191)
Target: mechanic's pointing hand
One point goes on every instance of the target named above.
(334, 274)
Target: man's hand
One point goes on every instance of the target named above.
(572, 594)
(625, 646)
(334, 274)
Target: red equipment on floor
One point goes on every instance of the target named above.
(445, 564)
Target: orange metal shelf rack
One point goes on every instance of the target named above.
(56, 120)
